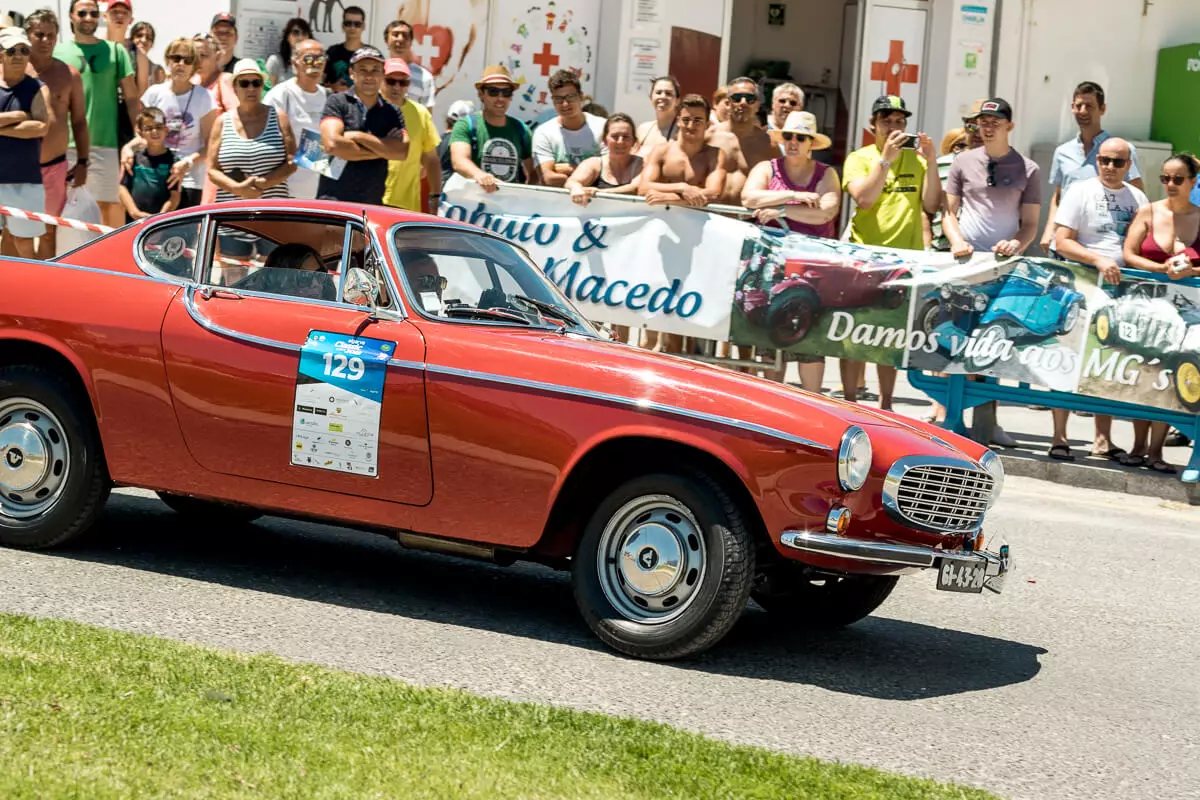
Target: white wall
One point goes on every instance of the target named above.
(810, 38)
(1049, 46)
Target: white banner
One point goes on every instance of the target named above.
(620, 261)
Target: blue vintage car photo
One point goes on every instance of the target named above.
(1030, 303)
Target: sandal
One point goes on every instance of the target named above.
(1163, 467)
(1060, 452)
(1134, 460)
(1112, 453)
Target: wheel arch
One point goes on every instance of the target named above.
(598, 469)
(36, 350)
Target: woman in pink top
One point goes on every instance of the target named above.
(804, 194)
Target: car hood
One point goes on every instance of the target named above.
(656, 379)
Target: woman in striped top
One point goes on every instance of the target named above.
(251, 147)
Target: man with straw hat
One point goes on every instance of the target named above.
(491, 146)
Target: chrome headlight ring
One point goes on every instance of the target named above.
(995, 467)
(854, 459)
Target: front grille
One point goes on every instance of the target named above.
(943, 498)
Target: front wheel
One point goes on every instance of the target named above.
(791, 316)
(823, 601)
(664, 567)
(1187, 382)
(209, 511)
(53, 480)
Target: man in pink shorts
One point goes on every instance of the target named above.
(67, 102)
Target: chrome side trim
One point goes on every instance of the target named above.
(629, 402)
(97, 270)
(825, 544)
(227, 333)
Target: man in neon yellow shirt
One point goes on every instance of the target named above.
(404, 177)
(893, 190)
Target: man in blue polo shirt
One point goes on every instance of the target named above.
(365, 131)
(1075, 159)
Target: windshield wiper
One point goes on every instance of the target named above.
(547, 309)
(485, 313)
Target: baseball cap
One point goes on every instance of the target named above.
(496, 74)
(125, 3)
(459, 109)
(889, 103)
(363, 53)
(996, 107)
(11, 37)
(396, 66)
(223, 16)
(974, 112)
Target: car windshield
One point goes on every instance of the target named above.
(459, 275)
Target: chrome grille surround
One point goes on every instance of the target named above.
(937, 494)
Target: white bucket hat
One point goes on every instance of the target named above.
(803, 122)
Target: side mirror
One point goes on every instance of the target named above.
(361, 289)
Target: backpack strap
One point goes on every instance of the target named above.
(474, 136)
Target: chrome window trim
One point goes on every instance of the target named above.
(895, 473)
(640, 404)
(151, 270)
(476, 231)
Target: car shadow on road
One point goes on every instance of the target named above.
(879, 657)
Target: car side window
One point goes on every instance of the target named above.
(277, 255)
(171, 249)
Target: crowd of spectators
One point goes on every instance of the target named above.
(207, 126)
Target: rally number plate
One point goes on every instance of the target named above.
(962, 576)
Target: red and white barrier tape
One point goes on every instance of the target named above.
(50, 219)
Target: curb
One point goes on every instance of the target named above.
(1087, 476)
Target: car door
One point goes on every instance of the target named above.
(233, 358)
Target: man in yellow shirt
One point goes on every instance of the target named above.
(403, 188)
(893, 189)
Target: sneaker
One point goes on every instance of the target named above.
(1177, 439)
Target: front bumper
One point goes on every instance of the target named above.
(997, 565)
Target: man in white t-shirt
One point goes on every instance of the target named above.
(1091, 224)
(302, 99)
(561, 144)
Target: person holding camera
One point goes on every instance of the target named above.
(893, 188)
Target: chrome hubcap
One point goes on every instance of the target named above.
(34, 457)
(652, 559)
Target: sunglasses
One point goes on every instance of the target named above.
(1106, 161)
(958, 147)
(431, 283)
(352, 23)
(310, 61)
(743, 97)
(88, 14)
(397, 81)
(495, 91)
(153, 128)
(971, 127)
(559, 99)
(787, 101)
(256, 83)
(175, 58)
(991, 173)
(1175, 179)
(788, 136)
(19, 50)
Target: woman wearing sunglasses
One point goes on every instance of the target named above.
(251, 148)
(189, 112)
(1164, 237)
(279, 64)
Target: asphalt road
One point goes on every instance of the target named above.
(1079, 682)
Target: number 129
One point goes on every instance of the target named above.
(339, 366)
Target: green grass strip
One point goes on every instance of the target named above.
(92, 713)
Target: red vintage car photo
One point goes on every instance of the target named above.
(422, 378)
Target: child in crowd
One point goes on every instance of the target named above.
(143, 190)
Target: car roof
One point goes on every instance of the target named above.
(384, 216)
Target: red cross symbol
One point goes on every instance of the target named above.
(894, 71)
(545, 59)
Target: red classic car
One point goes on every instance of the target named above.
(418, 377)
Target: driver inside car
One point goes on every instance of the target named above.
(423, 276)
(295, 270)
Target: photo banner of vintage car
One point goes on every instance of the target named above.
(620, 262)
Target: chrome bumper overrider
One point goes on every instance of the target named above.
(897, 555)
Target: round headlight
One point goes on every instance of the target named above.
(995, 467)
(981, 302)
(854, 459)
(945, 292)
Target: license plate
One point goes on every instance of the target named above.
(962, 576)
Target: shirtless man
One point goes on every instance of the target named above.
(66, 98)
(744, 142)
(688, 170)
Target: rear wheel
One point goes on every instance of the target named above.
(1187, 382)
(53, 480)
(791, 316)
(1104, 326)
(823, 601)
(209, 511)
(664, 566)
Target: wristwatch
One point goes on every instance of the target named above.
(83, 161)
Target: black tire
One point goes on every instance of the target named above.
(978, 363)
(209, 511)
(1187, 384)
(823, 601)
(64, 501)
(893, 297)
(791, 316)
(929, 316)
(1104, 330)
(1070, 322)
(714, 600)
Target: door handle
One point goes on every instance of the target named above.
(209, 292)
